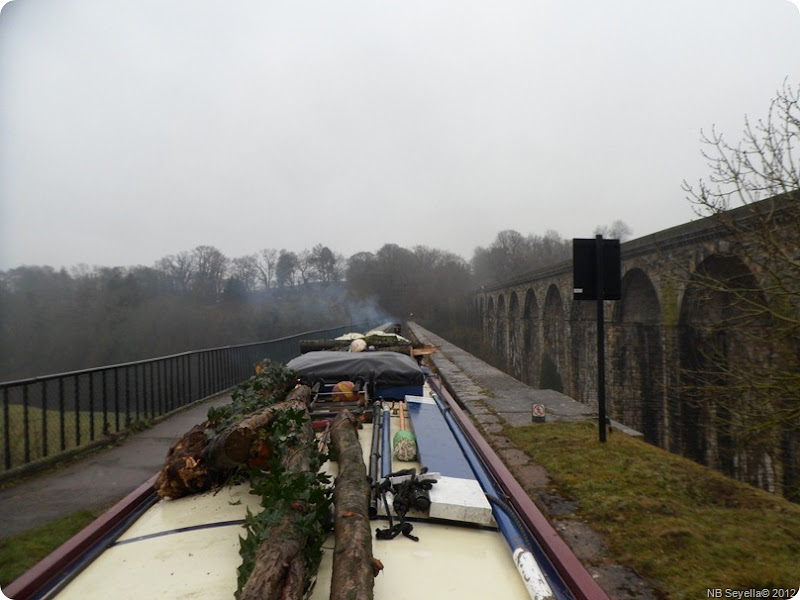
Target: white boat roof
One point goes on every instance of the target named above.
(189, 548)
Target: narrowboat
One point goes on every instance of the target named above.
(447, 518)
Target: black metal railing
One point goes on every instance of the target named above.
(48, 415)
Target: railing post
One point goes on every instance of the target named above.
(77, 400)
(189, 361)
(127, 397)
(62, 415)
(27, 454)
(6, 430)
(187, 387)
(104, 388)
(116, 398)
(91, 407)
(162, 388)
(204, 372)
(45, 432)
(136, 391)
(175, 387)
(152, 394)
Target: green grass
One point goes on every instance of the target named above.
(20, 552)
(49, 425)
(677, 523)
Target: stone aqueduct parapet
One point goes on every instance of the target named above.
(541, 336)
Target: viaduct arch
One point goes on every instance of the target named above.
(670, 342)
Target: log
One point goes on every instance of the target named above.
(353, 564)
(184, 471)
(384, 344)
(194, 464)
(279, 571)
(315, 345)
(241, 443)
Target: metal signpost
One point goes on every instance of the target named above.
(597, 276)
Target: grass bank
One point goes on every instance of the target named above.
(50, 432)
(20, 552)
(681, 525)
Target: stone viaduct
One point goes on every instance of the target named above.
(665, 327)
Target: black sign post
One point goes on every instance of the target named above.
(597, 276)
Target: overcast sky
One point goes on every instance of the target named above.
(134, 129)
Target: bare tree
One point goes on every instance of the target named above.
(246, 270)
(743, 367)
(306, 267)
(618, 230)
(267, 261)
(179, 268)
(210, 269)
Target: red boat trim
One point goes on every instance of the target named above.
(54, 564)
(579, 581)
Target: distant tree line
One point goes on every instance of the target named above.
(432, 285)
(512, 254)
(60, 320)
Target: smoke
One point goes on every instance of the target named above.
(320, 305)
(367, 310)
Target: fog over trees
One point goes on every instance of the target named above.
(60, 320)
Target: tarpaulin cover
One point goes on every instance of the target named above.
(382, 368)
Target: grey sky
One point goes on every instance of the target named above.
(134, 129)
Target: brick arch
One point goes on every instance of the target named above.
(531, 351)
(514, 350)
(715, 332)
(637, 360)
(582, 350)
(490, 323)
(500, 342)
(554, 336)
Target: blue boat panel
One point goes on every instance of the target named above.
(397, 392)
(437, 448)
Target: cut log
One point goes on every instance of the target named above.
(243, 444)
(195, 464)
(279, 570)
(184, 471)
(315, 345)
(388, 344)
(353, 564)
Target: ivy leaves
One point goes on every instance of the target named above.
(295, 500)
(269, 386)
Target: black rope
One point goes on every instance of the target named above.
(411, 493)
(512, 514)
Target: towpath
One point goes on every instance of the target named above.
(479, 386)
